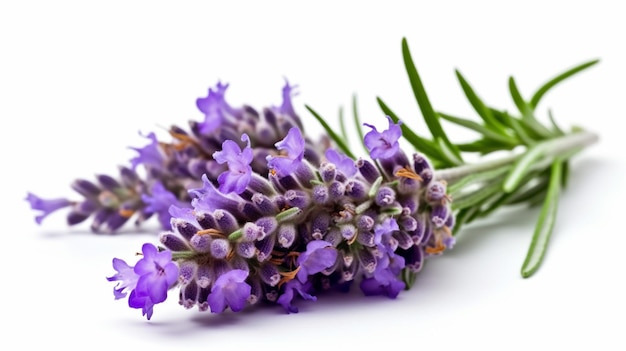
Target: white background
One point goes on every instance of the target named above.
(78, 81)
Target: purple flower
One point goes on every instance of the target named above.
(384, 144)
(293, 145)
(239, 172)
(208, 198)
(230, 289)
(156, 273)
(46, 206)
(343, 163)
(383, 231)
(149, 155)
(372, 287)
(159, 202)
(213, 106)
(287, 107)
(126, 277)
(318, 256)
(288, 294)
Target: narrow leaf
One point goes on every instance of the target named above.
(430, 117)
(358, 125)
(534, 101)
(484, 146)
(478, 105)
(342, 125)
(340, 142)
(545, 224)
(479, 128)
(526, 110)
(522, 167)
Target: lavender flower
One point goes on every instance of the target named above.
(293, 146)
(383, 145)
(46, 206)
(239, 173)
(229, 290)
(148, 280)
(163, 171)
(302, 229)
(149, 155)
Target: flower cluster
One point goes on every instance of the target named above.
(301, 227)
(161, 173)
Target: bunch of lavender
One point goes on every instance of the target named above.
(162, 172)
(303, 228)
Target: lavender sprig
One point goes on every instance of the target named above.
(315, 228)
(162, 172)
(304, 228)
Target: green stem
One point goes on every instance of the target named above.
(550, 148)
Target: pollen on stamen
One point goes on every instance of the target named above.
(406, 172)
(287, 276)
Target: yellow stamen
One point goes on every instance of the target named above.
(437, 249)
(210, 231)
(126, 213)
(406, 172)
(287, 276)
(275, 260)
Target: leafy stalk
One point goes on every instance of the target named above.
(534, 101)
(545, 224)
(336, 138)
(428, 113)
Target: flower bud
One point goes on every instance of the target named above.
(385, 196)
(226, 222)
(320, 194)
(286, 235)
(356, 190)
(367, 170)
(173, 242)
(201, 243)
(328, 172)
(263, 203)
(187, 271)
(435, 192)
(365, 223)
(269, 274)
(219, 248)
(184, 228)
(297, 198)
(439, 215)
(246, 249)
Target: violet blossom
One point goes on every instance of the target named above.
(383, 145)
(239, 172)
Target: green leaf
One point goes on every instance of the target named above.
(534, 101)
(556, 126)
(423, 145)
(484, 146)
(487, 133)
(340, 142)
(516, 125)
(528, 193)
(476, 178)
(476, 198)
(522, 167)
(430, 117)
(358, 125)
(342, 125)
(526, 110)
(566, 172)
(448, 153)
(545, 224)
(485, 113)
